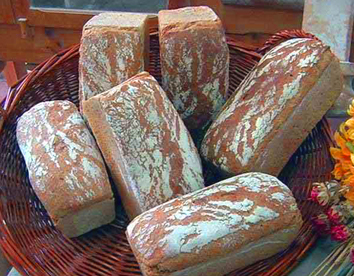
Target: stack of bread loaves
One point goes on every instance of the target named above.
(139, 131)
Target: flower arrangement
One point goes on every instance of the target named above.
(336, 198)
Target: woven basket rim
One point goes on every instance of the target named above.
(18, 88)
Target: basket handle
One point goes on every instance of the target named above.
(282, 36)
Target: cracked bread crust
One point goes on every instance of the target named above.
(145, 144)
(274, 109)
(211, 229)
(65, 167)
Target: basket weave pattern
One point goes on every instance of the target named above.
(31, 242)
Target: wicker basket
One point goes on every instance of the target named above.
(31, 242)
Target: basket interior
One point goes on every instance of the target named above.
(35, 247)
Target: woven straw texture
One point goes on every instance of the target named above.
(31, 242)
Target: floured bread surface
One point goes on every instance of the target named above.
(218, 229)
(65, 167)
(114, 47)
(145, 144)
(274, 108)
(194, 63)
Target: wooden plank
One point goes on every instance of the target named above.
(48, 41)
(243, 20)
(45, 43)
(250, 25)
(237, 20)
(20, 8)
(14, 71)
(6, 12)
(176, 4)
(62, 18)
(58, 18)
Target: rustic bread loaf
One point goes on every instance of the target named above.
(147, 148)
(114, 47)
(65, 167)
(216, 230)
(274, 108)
(194, 62)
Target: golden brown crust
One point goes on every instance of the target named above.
(112, 153)
(194, 63)
(215, 226)
(65, 167)
(149, 151)
(311, 109)
(255, 131)
(113, 49)
(85, 220)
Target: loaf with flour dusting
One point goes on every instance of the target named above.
(65, 167)
(114, 47)
(274, 109)
(216, 230)
(145, 144)
(194, 62)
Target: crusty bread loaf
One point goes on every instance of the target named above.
(274, 108)
(194, 62)
(114, 47)
(147, 148)
(65, 167)
(216, 230)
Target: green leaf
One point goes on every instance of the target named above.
(350, 146)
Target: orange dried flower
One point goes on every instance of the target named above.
(343, 154)
(351, 134)
(342, 143)
(338, 171)
(351, 109)
(350, 123)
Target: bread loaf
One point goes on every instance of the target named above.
(194, 62)
(216, 230)
(274, 108)
(65, 167)
(144, 143)
(114, 47)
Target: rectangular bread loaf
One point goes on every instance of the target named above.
(65, 167)
(216, 230)
(274, 109)
(114, 47)
(194, 62)
(147, 148)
